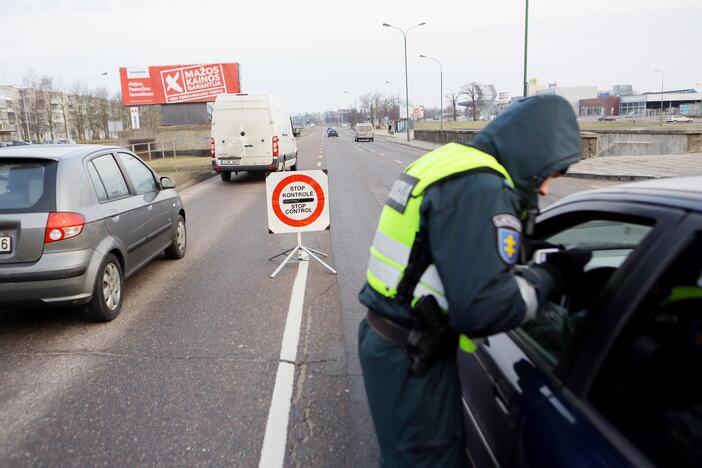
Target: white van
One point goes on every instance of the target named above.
(252, 133)
(364, 131)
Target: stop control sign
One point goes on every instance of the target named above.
(297, 201)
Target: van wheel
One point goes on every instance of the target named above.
(226, 176)
(179, 242)
(107, 292)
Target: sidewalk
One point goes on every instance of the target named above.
(638, 167)
(623, 168)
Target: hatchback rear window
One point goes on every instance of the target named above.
(27, 186)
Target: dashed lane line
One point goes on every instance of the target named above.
(276, 435)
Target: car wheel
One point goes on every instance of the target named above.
(226, 176)
(107, 292)
(179, 242)
(371, 139)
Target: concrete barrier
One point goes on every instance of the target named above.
(191, 140)
(607, 142)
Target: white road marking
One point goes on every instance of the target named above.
(319, 164)
(381, 154)
(398, 161)
(275, 438)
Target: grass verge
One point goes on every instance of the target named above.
(182, 169)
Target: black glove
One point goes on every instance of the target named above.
(564, 267)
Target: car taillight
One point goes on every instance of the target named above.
(62, 226)
(275, 146)
(212, 148)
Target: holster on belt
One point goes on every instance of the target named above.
(428, 343)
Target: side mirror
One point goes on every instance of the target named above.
(167, 183)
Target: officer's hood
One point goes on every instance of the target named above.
(534, 138)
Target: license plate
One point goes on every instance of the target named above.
(5, 244)
(229, 162)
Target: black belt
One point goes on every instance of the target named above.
(386, 328)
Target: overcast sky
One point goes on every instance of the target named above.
(309, 52)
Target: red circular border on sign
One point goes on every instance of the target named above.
(298, 222)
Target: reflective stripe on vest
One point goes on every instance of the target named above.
(397, 230)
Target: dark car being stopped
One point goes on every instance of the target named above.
(75, 220)
(331, 132)
(608, 374)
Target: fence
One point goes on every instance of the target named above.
(154, 148)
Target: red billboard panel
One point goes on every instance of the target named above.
(178, 83)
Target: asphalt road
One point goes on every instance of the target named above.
(185, 375)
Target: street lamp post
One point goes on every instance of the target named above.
(355, 111)
(661, 72)
(93, 77)
(526, 38)
(441, 100)
(404, 36)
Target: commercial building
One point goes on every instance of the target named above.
(572, 94)
(599, 106)
(680, 101)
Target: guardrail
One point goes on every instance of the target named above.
(154, 147)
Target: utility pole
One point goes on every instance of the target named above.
(404, 36)
(526, 39)
(661, 72)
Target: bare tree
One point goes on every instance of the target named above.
(79, 109)
(453, 96)
(45, 97)
(471, 90)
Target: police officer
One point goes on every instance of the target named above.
(447, 240)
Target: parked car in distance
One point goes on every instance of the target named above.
(607, 118)
(76, 220)
(252, 133)
(679, 119)
(4, 144)
(331, 132)
(607, 374)
(363, 131)
(20, 143)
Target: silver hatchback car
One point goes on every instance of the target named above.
(76, 220)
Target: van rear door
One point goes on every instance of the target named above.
(242, 131)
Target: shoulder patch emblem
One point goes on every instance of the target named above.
(509, 230)
(401, 192)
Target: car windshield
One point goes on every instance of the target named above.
(27, 186)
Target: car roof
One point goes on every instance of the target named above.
(54, 152)
(674, 192)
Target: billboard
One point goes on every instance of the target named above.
(177, 83)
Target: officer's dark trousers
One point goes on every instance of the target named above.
(418, 421)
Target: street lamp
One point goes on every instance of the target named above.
(661, 72)
(404, 36)
(398, 97)
(93, 77)
(526, 38)
(355, 111)
(441, 106)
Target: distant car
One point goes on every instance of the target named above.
(331, 132)
(607, 118)
(679, 119)
(607, 374)
(4, 144)
(65, 141)
(19, 143)
(76, 220)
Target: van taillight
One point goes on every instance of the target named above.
(212, 148)
(275, 146)
(60, 226)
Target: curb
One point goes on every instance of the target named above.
(196, 180)
(403, 143)
(615, 177)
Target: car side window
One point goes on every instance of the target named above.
(141, 176)
(97, 183)
(552, 332)
(111, 176)
(649, 386)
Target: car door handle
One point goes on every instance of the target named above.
(248, 146)
(285, 134)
